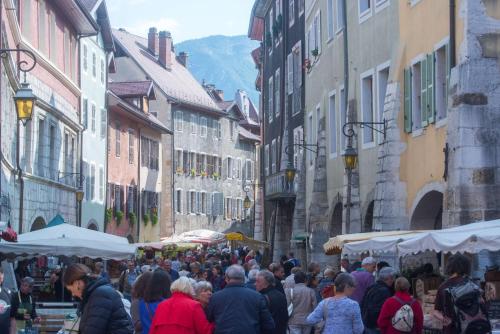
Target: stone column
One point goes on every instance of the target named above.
(390, 193)
(299, 214)
(473, 187)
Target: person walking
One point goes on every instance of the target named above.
(203, 293)
(101, 307)
(325, 286)
(392, 315)
(276, 301)
(237, 309)
(218, 282)
(279, 275)
(303, 301)
(252, 276)
(364, 278)
(180, 314)
(156, 291)
(138, 290)
(167, 266)
(375, 297)
(339, 313)
(127, 280)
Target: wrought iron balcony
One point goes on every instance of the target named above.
(277, 187)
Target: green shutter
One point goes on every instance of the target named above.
(423, 92)
(431, 83)
(407, 102)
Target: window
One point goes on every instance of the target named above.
(150, 153)
(41, 147)
(441, 81)
(230, 166)
(104, 123)
(289, 62)
(92, 119)
(92, 182)
(194, 121)
(298, 139)
(228, 208)
(52, 151)
(330, 16)
(238, 168)
(343, 117)
(178, 160)
(416, 95)
(27, 146)
(203, 127)
(52, 37)
(367, 106)
(269, 33)
(218, 130)
(178, 201)
(203, 203)
(301, 7)
(291, 12)
(317, 31)
(94, 65)
(382, 79)
(192, 202)
(103, 72)
(266, 160)
(67, 52)
(297, 78)
(131, 199)
(277, 92)
(192, 162)
(119, 197)
(310, 137)
(101, 183)
(249, 170)
(332, 113)
(178, 121)
(26, 19)
(86, 173)
(131, 143)
(273, 156)
(231, 130)
(270, 100)
(364, 9)
(85, 113)
(339, 23)
(42, 29)
(117, 140)
(85, 55)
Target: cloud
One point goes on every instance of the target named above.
(141, 28)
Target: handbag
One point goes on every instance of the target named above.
(290, 306)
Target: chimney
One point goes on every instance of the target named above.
(183, 58)
(220, 93)
(165, 46)
(153, 41)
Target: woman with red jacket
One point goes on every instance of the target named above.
(180, 314)
(393, 304)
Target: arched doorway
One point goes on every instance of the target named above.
(428, 213)
(368, 222)
(93, 226)
(38, 224)
(336, 220)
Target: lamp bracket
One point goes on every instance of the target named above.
(22, 65)
(348, 130)
(309, 147)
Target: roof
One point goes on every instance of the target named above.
(102, 17)
(256, 25)
(79, 17)
(133, 88)
(177, 83)
(245, 134)
(134, 113)
(225, 105)
(89, 4)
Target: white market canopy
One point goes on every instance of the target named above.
(470, 238)
(206, 237)
(377, 245)
(69, 240)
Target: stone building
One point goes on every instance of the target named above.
(279, 25)
(96, 59)
(41, 181)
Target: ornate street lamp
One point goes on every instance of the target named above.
(290, 172)
(247, 203)
(350, 158)
(25, 101)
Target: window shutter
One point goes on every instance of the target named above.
(319, 41)
(188, 202)
(431, 83)
(122, 199)
(448, 70)
(220, 204)
(423, 92)
(299, 65)
(208, 205)
(407, 103)
(290, 73)
(198, 202)
(85, 113)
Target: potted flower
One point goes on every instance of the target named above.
(204, 174)
(193, 172)
(119, 217)
(109, 215)
(132, 218)
(145, 218)
(215, 175)
(154, 219)
(315, 52)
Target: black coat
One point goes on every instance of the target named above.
(236, 309)
(102, 310)
(276, 302)
(375, 297)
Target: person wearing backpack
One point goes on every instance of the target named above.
(459, 305)
(401, 313)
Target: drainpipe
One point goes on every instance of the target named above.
(80, 181)
(139, 199)
(20, 172)
(453, 37)
(1, 153)
(106, 150)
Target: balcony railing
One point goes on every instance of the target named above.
(278, 187)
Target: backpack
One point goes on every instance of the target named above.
(470, 316)
(403, 319)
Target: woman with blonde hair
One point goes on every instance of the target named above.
(180, 314)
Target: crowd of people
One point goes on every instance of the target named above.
(226, 292)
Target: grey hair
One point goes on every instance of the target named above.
(268, 276)
(343, 281)
(252, 263)
(252, 274)
(236, 272)
(202, 286)
(385, 273)
(28, 280)
(329, 272)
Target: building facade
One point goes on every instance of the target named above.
(39, 176)
(279, 25)
(96, 55)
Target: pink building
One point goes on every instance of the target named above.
(50, 142)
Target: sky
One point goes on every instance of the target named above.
(185, 19)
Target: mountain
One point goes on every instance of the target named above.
(224, 61)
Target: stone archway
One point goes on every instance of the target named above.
(38, 224)
(368, 221)
(428, 213)
(336, 220)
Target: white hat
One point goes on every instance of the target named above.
(368, 260)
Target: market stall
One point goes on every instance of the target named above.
(204, 237)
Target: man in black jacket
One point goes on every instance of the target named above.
(375, 297)
(237, 309)
(276, 301)
(279, 275)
